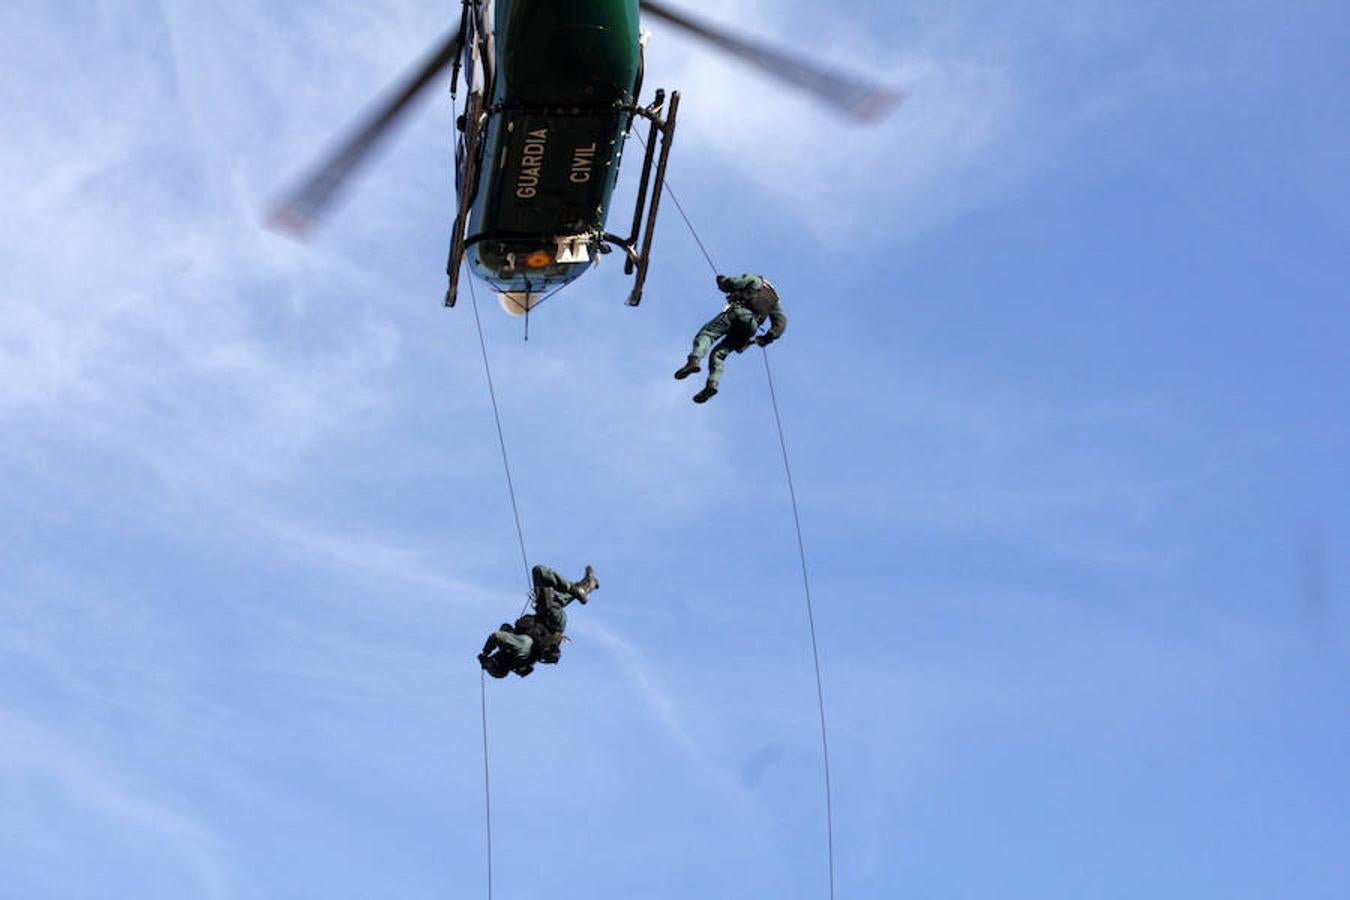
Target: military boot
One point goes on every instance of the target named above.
(582, 589)
(709, 391)
(689, 368)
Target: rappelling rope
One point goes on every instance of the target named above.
(680, 206)
(501, 437)
(801, 549)
(487, 779)
(524, 557)
(811, 618)
(669, 189)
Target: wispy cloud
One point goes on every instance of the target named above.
(85, 792)
(660, 701)
(255, 521)
(925, 160)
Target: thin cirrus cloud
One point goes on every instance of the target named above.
(269, 478)
(918, 162)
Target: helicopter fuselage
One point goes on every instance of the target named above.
(553, 88)
(559, 80)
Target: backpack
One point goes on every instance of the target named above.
(760, 300)
(547, 644)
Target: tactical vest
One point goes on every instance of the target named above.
(546, 643)
(760, 300)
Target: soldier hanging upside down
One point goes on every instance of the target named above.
(538, 636)
(750, 300)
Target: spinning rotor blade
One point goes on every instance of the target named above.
(861, 100)
(308, 202)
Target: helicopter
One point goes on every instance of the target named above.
(552, 93)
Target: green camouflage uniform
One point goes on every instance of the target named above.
(750, 301)
(536, 637)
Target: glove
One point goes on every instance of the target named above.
(764, 340)
(723, 283)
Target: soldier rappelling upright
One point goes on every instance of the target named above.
(750, 300)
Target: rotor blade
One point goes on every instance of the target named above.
(312, 197)
(859, 99)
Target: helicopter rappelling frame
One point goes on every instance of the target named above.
(636, 246)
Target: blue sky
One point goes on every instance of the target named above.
(1063, 385)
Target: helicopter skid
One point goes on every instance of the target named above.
(474, 122)
(649, 186)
